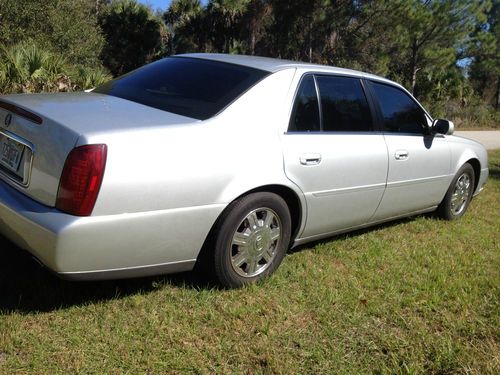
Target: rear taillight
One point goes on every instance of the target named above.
(81, 179)
(21, 112)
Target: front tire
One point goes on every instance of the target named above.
(459, 194)
(252, 237)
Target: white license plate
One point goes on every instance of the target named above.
(11, 153)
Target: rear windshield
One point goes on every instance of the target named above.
(186, 86)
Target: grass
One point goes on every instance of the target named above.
(414, 296)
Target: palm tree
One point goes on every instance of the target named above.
(184, 20)
(225, 16)
(29, 68)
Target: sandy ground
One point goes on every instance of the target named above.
(489, 138)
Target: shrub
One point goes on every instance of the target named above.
(29, 68)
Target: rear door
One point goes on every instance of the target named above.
(419, 163)
(333, 153)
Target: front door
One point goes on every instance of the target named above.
(419, 163)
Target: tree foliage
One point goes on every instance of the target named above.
(445, 51)
(484, 50)
(415, 42)
(67, 27)
(27, 68)
(133, 36)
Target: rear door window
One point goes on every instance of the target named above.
(341, 105)
(305, 113)
(344, 106)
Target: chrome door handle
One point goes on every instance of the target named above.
(401, 155)
(310, 159)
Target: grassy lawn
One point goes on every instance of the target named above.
(414, 296)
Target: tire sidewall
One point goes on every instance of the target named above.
(231, 219)
(446, 210)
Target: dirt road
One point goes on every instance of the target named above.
(489, 138)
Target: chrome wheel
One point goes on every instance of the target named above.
(256, 240)
(460, 194)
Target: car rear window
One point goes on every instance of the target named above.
(186, 86)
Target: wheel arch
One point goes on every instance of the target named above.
(291, 198)
(476, 166)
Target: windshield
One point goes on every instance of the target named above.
(186, 86)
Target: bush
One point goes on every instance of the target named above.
(28, 68)
(466, 113)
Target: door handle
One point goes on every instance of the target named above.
(310, 159)
(401, 155)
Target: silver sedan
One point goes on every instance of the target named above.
(223, 161)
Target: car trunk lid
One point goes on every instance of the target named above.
(38, 131)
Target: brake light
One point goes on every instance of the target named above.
(81, 179)
(21, 112)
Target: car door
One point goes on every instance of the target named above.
(419, 163)
(333, 154)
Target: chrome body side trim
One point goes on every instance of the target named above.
(353, 189)
(301, 241)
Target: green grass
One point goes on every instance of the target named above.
(414, 296)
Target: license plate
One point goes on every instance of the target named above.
(11, 153)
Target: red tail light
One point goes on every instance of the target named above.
(81, 179)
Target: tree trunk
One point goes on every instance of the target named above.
(497, 99)
(413, 65)
(310, 42)
(253, 41)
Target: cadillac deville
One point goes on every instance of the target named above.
(222, 159)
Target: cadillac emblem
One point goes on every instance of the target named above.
(7, 120)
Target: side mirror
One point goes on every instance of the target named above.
(441, 126)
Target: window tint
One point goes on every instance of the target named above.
(400, 113)
(305, 114)
(186, 86)
(343, 104)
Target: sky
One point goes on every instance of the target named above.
(157, 4)
(160, 4)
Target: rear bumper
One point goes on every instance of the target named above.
(104, 247)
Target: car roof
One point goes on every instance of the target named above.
(273, 65)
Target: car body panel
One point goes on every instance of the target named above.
(71, 245)
(463, 150)
(345, 186)
(419, 173)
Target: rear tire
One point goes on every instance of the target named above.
(459, 194)
(251, 239)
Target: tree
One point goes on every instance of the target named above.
(185, 22)
(484, 51)
(224, 22)
(429, 34)
(68, 27)
(256, 21)
(134, 36)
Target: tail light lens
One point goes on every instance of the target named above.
(81, 179)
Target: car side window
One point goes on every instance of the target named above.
(400, 113)
(305, 113)
(343, 104)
